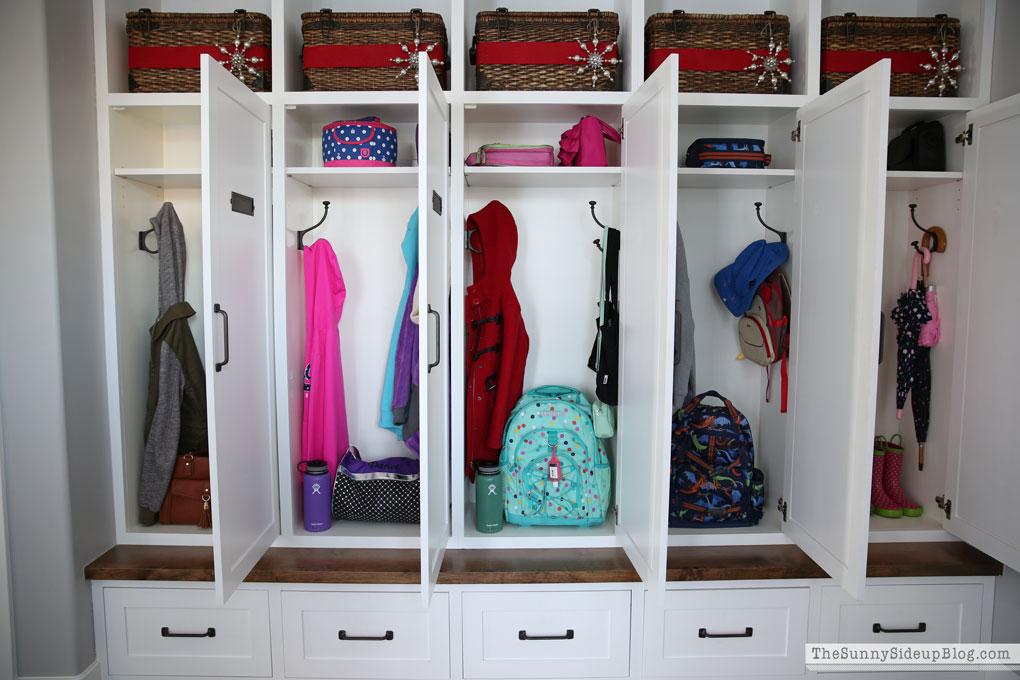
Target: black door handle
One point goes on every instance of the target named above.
(342, 635)
(748, 632)
(165, 632)
(439, 338)
(523, 635)
(226, 337)
(921, 627)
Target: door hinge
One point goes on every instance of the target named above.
(967, 136)
(783, 508)
(620, 129)
(944, 504)
(616, 514)
(795, 134)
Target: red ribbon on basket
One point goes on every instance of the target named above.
(187, 56)
(855, 61)
(699, 59)
(361, 56)
(537, 53)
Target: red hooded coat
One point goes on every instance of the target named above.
(497, 343)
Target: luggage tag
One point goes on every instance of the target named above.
(554, 470)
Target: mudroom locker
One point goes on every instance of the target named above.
(849, 232)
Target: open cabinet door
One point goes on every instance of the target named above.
(647, 272)
(836, 256)
(983, 465)
(434, 345)
(237, 284)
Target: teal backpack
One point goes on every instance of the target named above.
(554, 469)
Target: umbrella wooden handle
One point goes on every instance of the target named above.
(920, 455)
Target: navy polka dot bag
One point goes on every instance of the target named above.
(364, 142)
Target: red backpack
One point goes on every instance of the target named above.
(764, 329)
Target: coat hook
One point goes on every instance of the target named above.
(938, 236)
(302, 232)
(757, 209)
(141, 241)
(592, 205)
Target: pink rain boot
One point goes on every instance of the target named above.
(881, 504)
(891, 479)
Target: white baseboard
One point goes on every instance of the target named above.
(93, 672)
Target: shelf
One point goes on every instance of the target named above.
(514, 536)
(742, 109)
(768, 531)
(353, 535)
(926, 528)
(164, 178)
(556, 177)
(904, 111)
(356, 178)
(899, 180)
(322, 108)
(732, 178)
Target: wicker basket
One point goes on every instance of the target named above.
(722, 52)
(851, 43)
(164, 49)
(544, 51)
(371, 50)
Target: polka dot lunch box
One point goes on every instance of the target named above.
(365, 142)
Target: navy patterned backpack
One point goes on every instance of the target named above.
(712, 478)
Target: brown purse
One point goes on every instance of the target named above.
(187, 501)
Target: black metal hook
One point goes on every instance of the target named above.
(934, 236)
(917, 246)
(591, 204)
(141, 241)
(302, 232)
(757, 209)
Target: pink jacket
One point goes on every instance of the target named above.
(324, 434)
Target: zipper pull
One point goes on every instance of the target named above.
(554, 469)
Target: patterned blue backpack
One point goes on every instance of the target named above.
(712, 478)
(554, 469)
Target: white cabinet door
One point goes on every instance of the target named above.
(237, 280)
(836, 256)
(433, 296)
(983, 463)
(647, 273)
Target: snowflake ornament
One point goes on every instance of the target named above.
(945, 67)
(769, 65)
(237, 62)
(411, 60)
(595, 60)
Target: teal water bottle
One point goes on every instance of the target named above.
(488, 498)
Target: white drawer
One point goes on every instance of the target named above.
(179, 631)
(365, 635)
(903, 613)
(729, 632)
(547, 634)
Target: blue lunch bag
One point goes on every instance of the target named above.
(364, 142)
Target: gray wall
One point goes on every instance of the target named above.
(52, 390)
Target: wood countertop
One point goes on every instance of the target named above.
(492, 566)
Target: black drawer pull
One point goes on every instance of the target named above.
(921, 627)
(748, 632)
(523, 635)
(165, 632)
(381, 638)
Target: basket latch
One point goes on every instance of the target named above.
(416, 19)
(325, 22)
(593, 22)
(942, 27)
(240, 21)
(770, 17)
(147, 26)
(851, 25)
(502, 20)
(679, 22)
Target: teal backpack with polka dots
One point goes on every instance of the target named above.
(555, 470)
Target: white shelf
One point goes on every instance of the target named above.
(353, 535)
(900, 180)
(768, 531)
(743, 109)
(904, 111)
(732, 178)
(928, 527)
(356, 178)
(164, 178)
(555, 177)
(514, 536)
